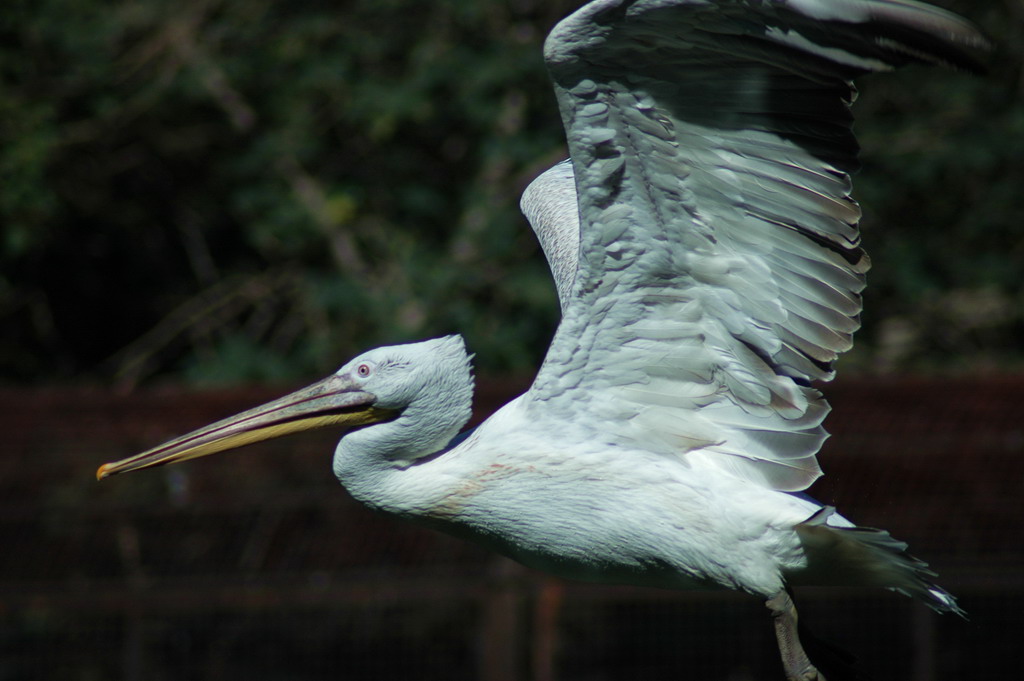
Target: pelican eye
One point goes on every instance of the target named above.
(363, 371)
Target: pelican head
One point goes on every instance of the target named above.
(421, 391)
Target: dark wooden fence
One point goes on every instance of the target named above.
(258, 565)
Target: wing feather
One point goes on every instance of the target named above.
(719, 266)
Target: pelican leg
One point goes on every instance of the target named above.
(794, 659)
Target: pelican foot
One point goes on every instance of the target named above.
(798, 667)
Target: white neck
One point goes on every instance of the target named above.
(378, 464)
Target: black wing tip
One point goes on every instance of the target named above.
(928, 34)
(969, 53)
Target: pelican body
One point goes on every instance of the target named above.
(705, 249)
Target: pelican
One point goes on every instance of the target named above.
(707, 259)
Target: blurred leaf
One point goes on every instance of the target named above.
(156, 156)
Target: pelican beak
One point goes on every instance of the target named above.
(334, 401)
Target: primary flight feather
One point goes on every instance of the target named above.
(706, 253)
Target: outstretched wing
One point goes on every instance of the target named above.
(720, 266)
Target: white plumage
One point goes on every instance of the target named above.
(708, 263)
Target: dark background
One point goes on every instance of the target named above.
(245, 193)
(222, 191)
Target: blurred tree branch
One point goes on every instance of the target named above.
(245, 189)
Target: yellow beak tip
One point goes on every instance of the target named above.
(103, 471)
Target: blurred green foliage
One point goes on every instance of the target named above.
(234, 190)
